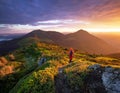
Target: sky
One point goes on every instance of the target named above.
(22, 16)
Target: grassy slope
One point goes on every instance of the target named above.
(40, 79)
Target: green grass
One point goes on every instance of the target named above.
(28, 76)
(41, 80)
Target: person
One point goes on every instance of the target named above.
(71, 52)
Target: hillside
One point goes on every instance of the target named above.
(115, 55)
(86, 42)
(21, 73)
(81, 40)
(109, 37)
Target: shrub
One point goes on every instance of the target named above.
(6, 70)
(11, 57)
(1, 64)
(3, 60)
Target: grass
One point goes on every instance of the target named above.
(28, 76)
(41, 80)
(76, 73)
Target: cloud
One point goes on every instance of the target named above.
(106, 11)
(46, 14)
(57, 25)
(23, 28)
(66, 21)
(29, 11)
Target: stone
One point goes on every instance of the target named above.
(111, 80)
(41, 61)
(94, 67)
(109, 69)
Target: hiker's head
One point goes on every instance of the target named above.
(71, 49)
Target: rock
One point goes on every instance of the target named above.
(109, 76)
(99, 79)
(60, 70)
(94, 67)
(61, 84)
(93, 80)
(111, 80)
(41, 61)
(108, 69)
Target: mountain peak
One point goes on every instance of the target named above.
(81, 31)
(38, 30)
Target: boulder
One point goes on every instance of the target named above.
(41, 61)
(111, 80)
(109, 76)
(94, 67)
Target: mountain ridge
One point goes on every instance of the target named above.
(81, 40)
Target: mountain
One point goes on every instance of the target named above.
(8, 46)
(8, 36)
(81, 40)
(109, 37)
(86, 42)
(46, 36)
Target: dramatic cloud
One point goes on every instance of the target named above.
(88, 14)
(70, 21)
(46, 25)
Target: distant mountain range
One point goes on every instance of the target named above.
(109, 37)
(8, 36)
(81, 40)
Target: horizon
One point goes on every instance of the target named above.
(63, 16)
(64, 32)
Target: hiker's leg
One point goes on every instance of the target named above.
(70, 60)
